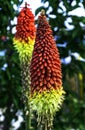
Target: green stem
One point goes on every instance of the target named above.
(28, 118)
(45, 123)
(26, 93)
(50, 123)
(28, 122)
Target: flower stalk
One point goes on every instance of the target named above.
(47, 93)
(24, 43)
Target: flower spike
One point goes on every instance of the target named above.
(47, 93)
(24, 44)
(25, 34)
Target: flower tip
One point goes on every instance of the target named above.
(42, 12)
(26, 5)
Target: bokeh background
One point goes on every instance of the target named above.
(69, 33)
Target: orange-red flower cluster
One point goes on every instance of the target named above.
(25, 25)
(45, 65)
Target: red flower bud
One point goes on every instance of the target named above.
(45, 65)
(25, 25)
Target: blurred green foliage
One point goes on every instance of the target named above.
(10, 82)
(72, 114)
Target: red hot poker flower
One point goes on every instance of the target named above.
(25, 27)
(24, 44)
(45, 65)
(47, 93)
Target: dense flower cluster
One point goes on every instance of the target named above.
(25, 34)
(45, 65)
(47, 93)
(25, 26)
